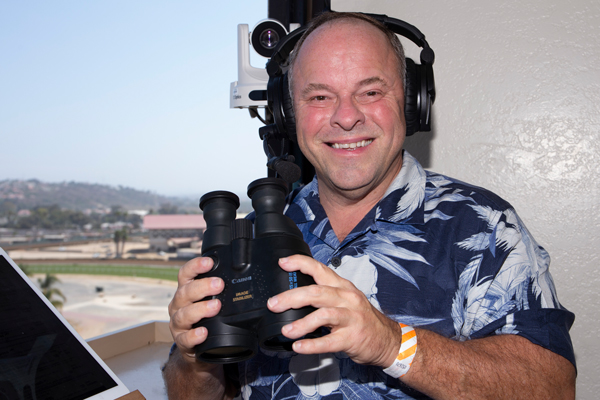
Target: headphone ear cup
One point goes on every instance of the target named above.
(288, 109)
(411, 97)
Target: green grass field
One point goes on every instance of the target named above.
(114, 270)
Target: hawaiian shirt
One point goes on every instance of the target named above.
(435, 253)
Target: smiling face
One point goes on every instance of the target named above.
(349, 107)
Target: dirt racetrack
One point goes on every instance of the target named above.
(97, 305)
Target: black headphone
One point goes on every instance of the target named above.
(419, 90)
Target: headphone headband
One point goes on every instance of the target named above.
(402, 28)
(283, 50)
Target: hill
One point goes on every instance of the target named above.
(27, 194)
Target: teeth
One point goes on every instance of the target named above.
(352, 146)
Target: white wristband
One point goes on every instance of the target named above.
(408, 349)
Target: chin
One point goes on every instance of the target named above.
(353, 185)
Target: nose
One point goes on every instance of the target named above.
(346, 114)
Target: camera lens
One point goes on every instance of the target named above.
(265, 36)
(269, 39)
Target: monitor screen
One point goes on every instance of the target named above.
(40, 356)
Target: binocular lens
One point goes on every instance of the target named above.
(228, 351)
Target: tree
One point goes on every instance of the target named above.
(124, 237)
(117, 240)
(168, 208)
(117, 213)
(53, 217)
(120, 237)
(8, 209)
(50, 292)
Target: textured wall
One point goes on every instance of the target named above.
(517, 112)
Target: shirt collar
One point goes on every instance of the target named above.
(403, 202)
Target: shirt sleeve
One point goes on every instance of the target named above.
(515, 293)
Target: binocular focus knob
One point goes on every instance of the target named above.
(241, 229)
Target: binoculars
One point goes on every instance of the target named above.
(245, 256)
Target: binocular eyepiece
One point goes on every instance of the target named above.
(245, 256)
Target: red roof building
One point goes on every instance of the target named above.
(170, 232)
(174, 221)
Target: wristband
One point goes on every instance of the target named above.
(408, 349)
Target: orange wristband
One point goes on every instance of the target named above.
(407, 352)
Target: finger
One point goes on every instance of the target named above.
(309, 266)
(334, 318)
(195, 291)
(187, 340)
(193, 268)
(330, 343)
(181, 323)
(317, 296)
(184, 318)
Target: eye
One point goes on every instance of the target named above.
(370, 96)
(318, 98)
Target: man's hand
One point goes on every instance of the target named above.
(357, 328)
(185, 377)
(186, 308)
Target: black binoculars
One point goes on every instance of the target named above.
(245, 256)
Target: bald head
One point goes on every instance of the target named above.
(330, 20)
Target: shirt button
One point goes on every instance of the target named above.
(336, 262)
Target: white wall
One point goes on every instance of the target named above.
(517, 112)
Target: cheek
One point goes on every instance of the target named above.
(309, 122)
(302, 133)
(390, 118)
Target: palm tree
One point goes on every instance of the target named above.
(50, 292)
(117, 240)
(120, 237)
(124, 238)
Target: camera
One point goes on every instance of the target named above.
(245, 256)
(250, 90)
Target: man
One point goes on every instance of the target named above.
(397, 252)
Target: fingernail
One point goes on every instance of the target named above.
(283, 261)
(272, 302)
(215, 283)
(286, 328)
(204, 261)
(201, 331)
(213, 304)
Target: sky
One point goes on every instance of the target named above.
(132, 93)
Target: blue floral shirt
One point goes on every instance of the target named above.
(434, 253)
